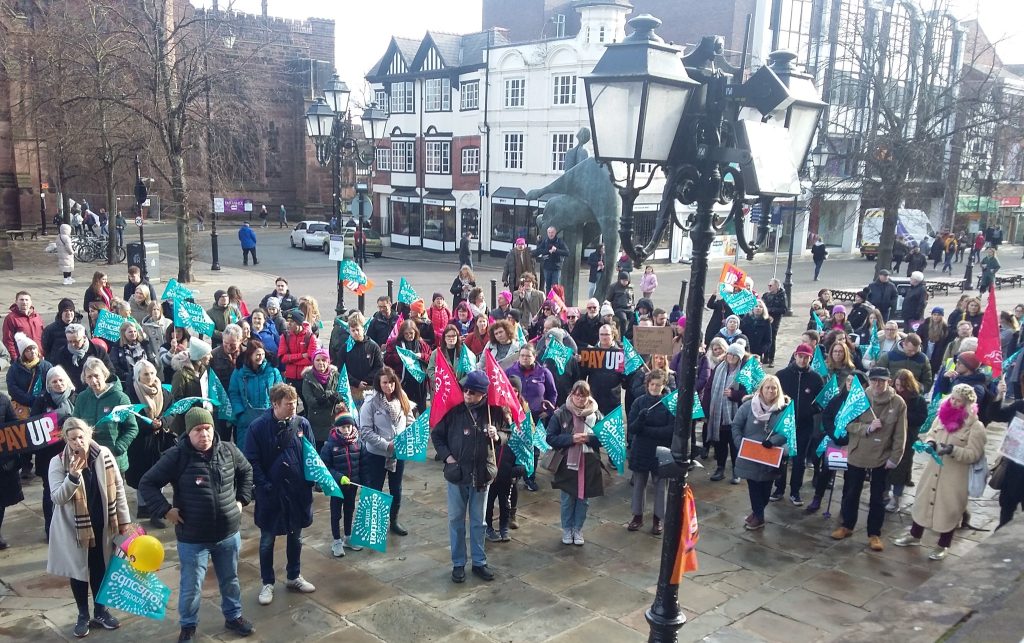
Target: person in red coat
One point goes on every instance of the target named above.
(296, 349)
(23, 318)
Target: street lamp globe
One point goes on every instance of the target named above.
(319, 121)
(636, 96)
(374, 121)
(337, 94)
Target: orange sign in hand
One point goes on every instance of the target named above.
(732, 276)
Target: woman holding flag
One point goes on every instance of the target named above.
(453, 351)
(102, 393)
(154, 435)
(908, 388)
(384, 416)
(723, 400)
(320, 391)
(408, 338)
(759, 419)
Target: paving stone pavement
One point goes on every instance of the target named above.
(789, 582)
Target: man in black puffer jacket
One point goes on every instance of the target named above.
(212, 480)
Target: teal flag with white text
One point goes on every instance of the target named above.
(411, 444)
(611, 431)
(370, 524)
(316, 471)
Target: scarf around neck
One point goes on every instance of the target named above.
(763, 412)
(574, 456)
(151, 396)
(84, 534)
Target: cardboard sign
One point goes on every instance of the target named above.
(753, 451)
(653, 340)
(1013, 443)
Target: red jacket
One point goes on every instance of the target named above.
(294, 352)
(17, 322)
(439, 318)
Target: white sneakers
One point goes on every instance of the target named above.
(894, 504)
(266, 595)
(68, 281)
(572, 537)
(347, 540)
(300, 584)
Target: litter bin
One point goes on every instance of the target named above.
(148, 256)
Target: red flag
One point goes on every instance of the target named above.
(447, 394)
(394, 331)
(989, 347)
(501, 393)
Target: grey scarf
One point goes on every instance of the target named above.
(722, 409)
(78, 355)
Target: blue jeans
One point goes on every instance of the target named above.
(574, 511)
(195, 558)
(293, 550)
(460, 499)
(551, 277)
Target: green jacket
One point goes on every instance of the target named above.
(220, 321)
(115, 436)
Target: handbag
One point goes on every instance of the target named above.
(551, 460)
(977, 476)
(997, 478)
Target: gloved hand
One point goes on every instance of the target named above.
(767, 443)
(643, 415)
(843, 441)
(944, 449)
(932, 444)
(518, 471)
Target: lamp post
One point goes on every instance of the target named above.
(982, 180)
(141, 194)
(717, 139)
(329, 124)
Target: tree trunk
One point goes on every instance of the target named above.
(889, 219)
(108, 179)
(178, 192)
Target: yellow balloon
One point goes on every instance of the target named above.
(344, 481)
(146, 554)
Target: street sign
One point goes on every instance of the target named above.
(361, 207)
(138, 221)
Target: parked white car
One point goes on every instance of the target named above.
(310, 234)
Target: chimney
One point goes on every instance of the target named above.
(264, 8)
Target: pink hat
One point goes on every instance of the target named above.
(506, 295)
(520, 241)
(318, 352)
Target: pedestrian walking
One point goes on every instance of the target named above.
(465, 439)
(818, 254)
(263, 215)
(120, 224)
(212, 481)
(90, 510)
(282, 217)
(284, 498)
(465, 253)
(247, 239)
(989, 267)
(648, 282)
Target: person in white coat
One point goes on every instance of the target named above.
(65, 254)
(90, 509)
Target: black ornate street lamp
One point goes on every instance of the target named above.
(718, 140)
(141, 194)
(329, 124)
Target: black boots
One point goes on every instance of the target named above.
(396, 527)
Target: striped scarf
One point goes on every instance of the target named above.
(83, 522)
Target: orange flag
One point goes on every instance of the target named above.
(686, 556)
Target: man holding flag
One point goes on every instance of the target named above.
(876, 445)
(465, 439)
(802, 385)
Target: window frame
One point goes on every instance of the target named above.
(558, 84)
(474, 152)
(510, 154)
(408, 97)
(442, 102)
(405, 151)
(463, 87)
(510, 92)
(558, 156)
(382, 154)
(440, 153)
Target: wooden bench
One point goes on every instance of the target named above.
(944, 285)
(1013, 279)
(20, 234)
(844, 295)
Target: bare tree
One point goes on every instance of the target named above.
(898, 103)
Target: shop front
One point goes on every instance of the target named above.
(440, 230)
(512, 217)
(406, 213)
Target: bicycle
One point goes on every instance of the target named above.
(94, 249)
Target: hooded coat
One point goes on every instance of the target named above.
(941, 493)
(650, 425)
(320, 400)
(65, 251)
